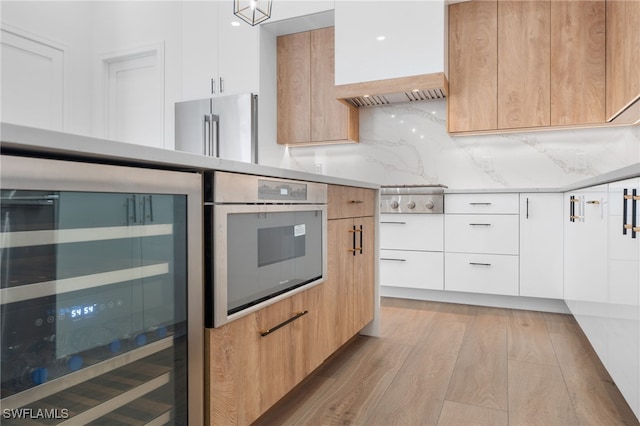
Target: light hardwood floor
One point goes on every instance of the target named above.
(446, 364)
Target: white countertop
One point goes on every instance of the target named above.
(16, 139)
(628, 172)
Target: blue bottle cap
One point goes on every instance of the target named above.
(39, 375)
(75, 363)
(141, 339)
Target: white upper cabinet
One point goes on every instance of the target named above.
(218, 57)
(413, 41)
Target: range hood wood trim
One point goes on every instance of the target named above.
(393, 85)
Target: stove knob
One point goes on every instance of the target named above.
(394, 205)
(429, 205)
(411, 204)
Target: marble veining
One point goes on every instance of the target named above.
(408, 144)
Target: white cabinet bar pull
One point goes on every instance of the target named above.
(395, 260)
(479, 224)
(479, 204)
(396, 223)
(479, 264)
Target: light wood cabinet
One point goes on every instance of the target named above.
(351, 274)
(577, 62)
(524, 85)
(531, 64)
(623, 57)
(351, 262)
(308, 112)
(248, 372)
(349, 201)
(473, 66)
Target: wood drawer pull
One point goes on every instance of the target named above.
(353, 250)
(282, 324)
(575, 217)
(356, 201)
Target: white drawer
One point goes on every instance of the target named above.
(481, 273)
(489, 234)
(412, 269)
(412, 231)
(481, 203)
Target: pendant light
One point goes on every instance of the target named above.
(252, 12)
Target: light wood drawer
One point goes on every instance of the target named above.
(412, 269)
(481, 273)
(481, 203)
(488, 234)
(412, 231)
(350, 201)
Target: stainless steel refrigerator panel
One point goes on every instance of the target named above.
(236, 127)
(190, 125)
(224, 127)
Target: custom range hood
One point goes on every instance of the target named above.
(395, 90)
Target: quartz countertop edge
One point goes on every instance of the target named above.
(628, 172)
(16, 139)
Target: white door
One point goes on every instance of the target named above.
(32, 81)
(133, 110)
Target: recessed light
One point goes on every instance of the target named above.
(365, 96)
(381, 38)
(235, 24)
(413, 130)
(415, 90)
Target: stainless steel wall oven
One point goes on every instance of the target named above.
(265, 239)
(98, 266)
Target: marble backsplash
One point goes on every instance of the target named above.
(409, 144)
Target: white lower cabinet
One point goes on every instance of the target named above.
(411, 251)
(412, 269)
(602, 277)
(490, 234)
(481, 243)
(623, 279)
(541, 245)
(585, 250)
(481, 273)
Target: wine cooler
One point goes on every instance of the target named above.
(100, 294)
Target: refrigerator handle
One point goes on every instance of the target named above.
(206, 135)
(214, 135)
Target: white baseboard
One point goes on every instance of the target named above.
(497, 301)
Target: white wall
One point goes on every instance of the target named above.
(88, 29)
(67, 24)
(408, 144)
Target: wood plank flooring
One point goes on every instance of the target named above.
(446, 364)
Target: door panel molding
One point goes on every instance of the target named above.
(144, 64)
(36, 48)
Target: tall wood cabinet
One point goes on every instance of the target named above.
(526, 64)
(308, 112)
